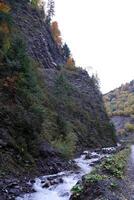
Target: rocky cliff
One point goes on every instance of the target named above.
(38, 36)
(47, 111)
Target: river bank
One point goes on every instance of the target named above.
(112, 180)
(14, 184)
(58, 186)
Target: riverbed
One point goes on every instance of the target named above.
(58, 186)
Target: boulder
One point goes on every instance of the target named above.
(48, 183)
(91, 155)
(46, 150)
(109, 150)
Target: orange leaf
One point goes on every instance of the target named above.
(4, 27)
(4, 7)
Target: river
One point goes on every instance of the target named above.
(61, 190)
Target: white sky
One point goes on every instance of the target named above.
(100, 33)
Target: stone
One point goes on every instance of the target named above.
(14, 191)
(91, 155)
(46, 150)
(47, 184)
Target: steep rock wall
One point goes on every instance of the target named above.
(81, 105)
(37, 34)
(67, 110)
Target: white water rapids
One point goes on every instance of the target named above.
(61, 191)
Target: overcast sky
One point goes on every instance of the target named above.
(100, 33)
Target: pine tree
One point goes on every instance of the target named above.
(66, 51)
(51, 10)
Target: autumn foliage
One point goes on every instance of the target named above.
(56, 33)
(70, 64)
(4, 26)
(121, 100)
(4, 7)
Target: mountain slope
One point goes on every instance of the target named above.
(47, 111)
(120, 107)
(121, 100)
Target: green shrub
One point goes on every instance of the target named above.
(66, 145)
(77, 189)
(35, 3)
(129, 127)
(113, 185)
(115, 165)
(94, 177)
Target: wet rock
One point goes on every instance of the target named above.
(14, 191)
(95, 162)
(65, 194)
(32, 181)
(109, 150)
(47, 184)
(85, 152)
(91, 155)
(61, 180)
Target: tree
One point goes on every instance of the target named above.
(56, 33)
(4, 7)
(51, 10)
(70, 64)
(5, 23)
(66, 51)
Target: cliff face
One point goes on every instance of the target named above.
(46, 109)
(79, 104)
(86, 108)
(38, 36)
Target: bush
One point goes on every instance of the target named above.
(94, 177)
(35, 3)
(115, 165)
(77, 189)
(70, 64)
(129, 127)
(66, 145)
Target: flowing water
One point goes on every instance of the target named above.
(61, 190)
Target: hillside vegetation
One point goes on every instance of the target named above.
(121, 100)
(107, 181)
(49, 107)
